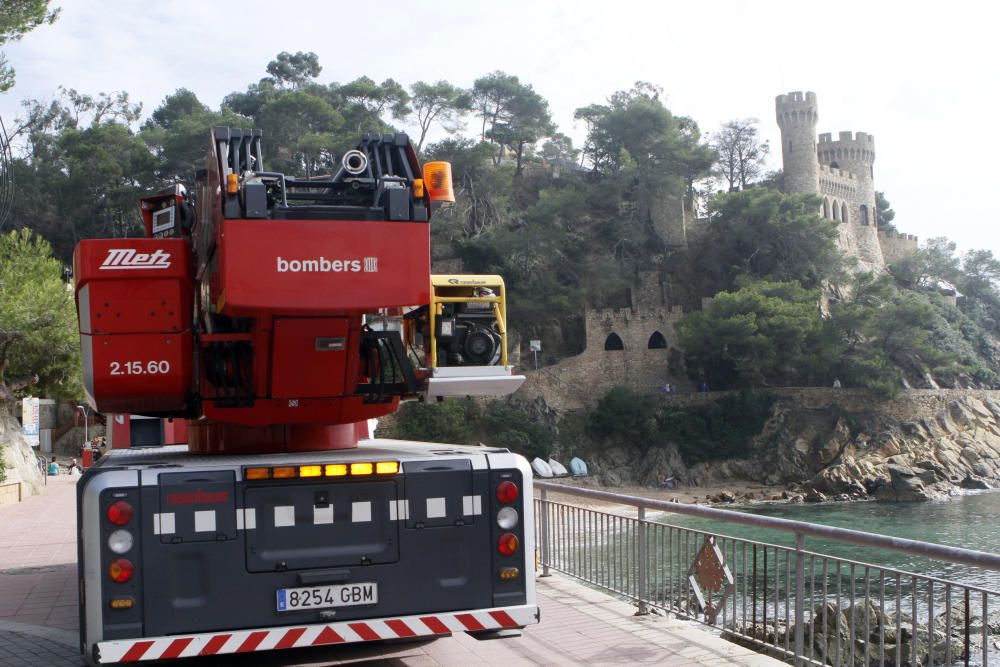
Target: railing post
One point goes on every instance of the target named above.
(643, 607)
(544, 546)
(800, 597)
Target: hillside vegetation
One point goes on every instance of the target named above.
(568, 227)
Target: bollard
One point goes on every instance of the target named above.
(643, 607)
(544, 535)
(800, 596)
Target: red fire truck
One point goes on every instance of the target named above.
(277, 316)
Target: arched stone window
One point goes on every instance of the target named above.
(843, 212)
(613, 342)
(657, 341)
(864, 214)
(826, 208)
(836, 210)
(834, 165)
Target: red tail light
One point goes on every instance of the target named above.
(508, 544)
(120, 513)
(507, 492)
(121, 570)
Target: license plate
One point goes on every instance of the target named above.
(318, 597)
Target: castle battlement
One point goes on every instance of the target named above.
(613, 314)
(848, 136)
(796, 97)
(836, 172)
(796, 110)
(850, 148)
(897, 235)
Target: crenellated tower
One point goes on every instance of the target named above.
(853, 153)
(839, 171)
(797, 116)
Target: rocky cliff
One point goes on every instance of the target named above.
(921, 445)
(17, 456)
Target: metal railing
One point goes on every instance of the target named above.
(805, 607)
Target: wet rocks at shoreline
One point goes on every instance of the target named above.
(832, 455)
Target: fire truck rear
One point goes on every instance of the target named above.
(278, 316)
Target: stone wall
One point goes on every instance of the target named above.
(895, 245)
(645, 334)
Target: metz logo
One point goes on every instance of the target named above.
(324, 265)
(129, 258)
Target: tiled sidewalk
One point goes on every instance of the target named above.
(38, 615)
(38, 557)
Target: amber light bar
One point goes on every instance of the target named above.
(319, 470)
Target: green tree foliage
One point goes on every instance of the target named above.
(448, 421)
(507, 425)
(464, 422)
(764, 333)
(177, 133)
(85, 171)
(723, 429)
(529, 121)
(980, 272)
(642, 422)
(38, 334)
(440, 103)
(368, 102)
(625, 418)
(513, 115)
(884, 335)
(884, 215)
(761, 234)
(741, 153)
(302, 130)
(293, 71)
(635, 135)
(932, 264)
(17, 18)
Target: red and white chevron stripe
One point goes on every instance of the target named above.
(346, 632)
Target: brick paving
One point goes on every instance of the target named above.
(580, 626)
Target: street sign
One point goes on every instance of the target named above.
(29, 419)
(535, 345)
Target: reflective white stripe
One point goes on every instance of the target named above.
(472, 505)
(246, 518)
(163, 524)
(361, 511)
(399, 510)
(323, 514)
(204, 521)
(284, 515)
(114, 651)
(436, 508)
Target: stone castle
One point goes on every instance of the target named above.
(624, 346)
(840, 172)
(633, 346)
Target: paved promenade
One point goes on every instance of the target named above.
(38, 615)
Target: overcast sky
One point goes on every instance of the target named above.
(921, 77)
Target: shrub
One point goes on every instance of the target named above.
(507, 425)
(451, 421)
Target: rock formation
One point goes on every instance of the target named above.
(17, 456)
(923, 445)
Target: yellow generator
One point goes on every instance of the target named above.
(465, 338)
